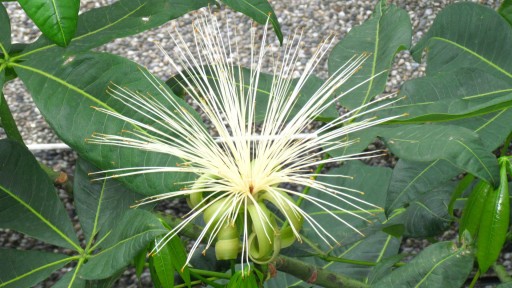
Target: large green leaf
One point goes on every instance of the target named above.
(127, 239)
(64, 89)
(29, 202)
(55, 18)
(123, 18)
(411, 179)
(439, 265)
(457, 145)
(259, 10)
(468, 71)
(387, 32)
(26, 268)
(100, 205)
(5, 31)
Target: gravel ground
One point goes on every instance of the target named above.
(317, 18)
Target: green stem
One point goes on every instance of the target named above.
(194, 283)
(504, 149)
(208, 273)
(473, 282)
(501, 272)
(8, 122)
(206, 280)
(315, 275)
(232, 264)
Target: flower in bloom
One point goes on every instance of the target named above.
(245, 171)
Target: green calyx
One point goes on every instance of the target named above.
(227, 246)
(265, 238)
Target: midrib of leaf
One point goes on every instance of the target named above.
(64, 83)
(429, 210)
(478, 158)
(3, 284)
(58, 21)
(384, 248)
(81, 36)
(485, 60)
(487, 94)
(375, 51)
(264, 14)
(126, 240)
(413, 181)
(491, 120)
(435, 266)
(43, 219)
(74, 88)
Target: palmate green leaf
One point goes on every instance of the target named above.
(26, 268)
(457, 145)
(120, 19)
(505, 10)
(382, 36)
(259, 10)
(468, 72)
(439, 265)
(411, 179)
(65, 87)
(44, 217)
(5, 32)
(100, 205)
(28, 201)
(311, 85)
(126, 240)
(55, 18)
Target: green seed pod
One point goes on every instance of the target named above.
(494, 222)
(228, 243)
(472, 213)
(262, 236)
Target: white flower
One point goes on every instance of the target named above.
(248, 162)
